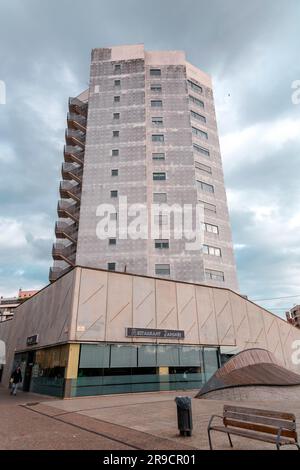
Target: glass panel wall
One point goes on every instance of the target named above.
(211, 361)
(126, 368)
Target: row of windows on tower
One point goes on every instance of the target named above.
(156, 72)
(161, 138)
(165, 270)
(162, 176)
(165, 244)
(156, 88)
(160, 269)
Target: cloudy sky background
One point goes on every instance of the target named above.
(251, 49)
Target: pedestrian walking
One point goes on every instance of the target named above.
(16, 378)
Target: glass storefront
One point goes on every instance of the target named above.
(118, 368)
(43, 370)
(122, 368)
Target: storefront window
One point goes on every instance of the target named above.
(211, 361)
(123, 355)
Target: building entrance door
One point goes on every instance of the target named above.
(28, 371)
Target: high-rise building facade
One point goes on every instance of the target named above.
(145, 130)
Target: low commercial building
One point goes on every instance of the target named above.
(9, 304)
(98, 332)
(293, 316)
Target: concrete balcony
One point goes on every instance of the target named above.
(55, 273)
(75, 137)
(66, 231)
(77, 106)
(65, 253)
(68, 190)
(72, 155)
(69, 210)
(76, 122)
(71, 172)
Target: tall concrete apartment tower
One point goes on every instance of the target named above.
(145, 129)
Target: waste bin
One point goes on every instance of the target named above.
(184, 415)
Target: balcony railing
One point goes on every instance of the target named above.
(67, 231)
(77, 106)
(65, 253)
(68, 190)
(72, 155)
(56, 272)
(76, 121)
(71, 172)
(75, 137)
(68, 210)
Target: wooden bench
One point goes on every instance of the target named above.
(275, 427)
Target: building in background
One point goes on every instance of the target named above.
(293, 316)
(9, 304)
(145, 129)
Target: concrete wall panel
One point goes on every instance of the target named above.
(119, 307)
(91, 318)
(224, 319)
(187, 312)
(206, 315)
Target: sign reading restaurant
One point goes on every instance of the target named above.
(154, 333)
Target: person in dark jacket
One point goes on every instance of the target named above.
(16, 378)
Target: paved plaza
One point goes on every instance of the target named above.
(126, 422)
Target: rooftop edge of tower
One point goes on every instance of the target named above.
(137, 51)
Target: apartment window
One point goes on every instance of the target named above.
(156, 88)
(155, 72)
(114, 193)
(118, 83)
(116, 99)
(157, 121)
(116, 116)
(159, 176)
(211, 250)
(160, 197)
(162, 269)
(114, 172)
(195, 87)
(116, 133)
(208, 206)
(212, 275)
(115, 152)
(158, 156)
(210, 228)
(161, 244)
(156, 103)
(199, 133)
(117, 68)
(196, 101)
(205, 187)
(198, 116)
(111, 266)
(202, 167)
(158, 138)
(112, 241)
(201, 150)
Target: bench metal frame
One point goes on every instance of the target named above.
(244, 410)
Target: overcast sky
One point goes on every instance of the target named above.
(252, 51)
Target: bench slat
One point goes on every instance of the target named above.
(259, 412)
(251, 435)
(259, 427)
(273, 422)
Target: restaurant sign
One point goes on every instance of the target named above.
(154, 333)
